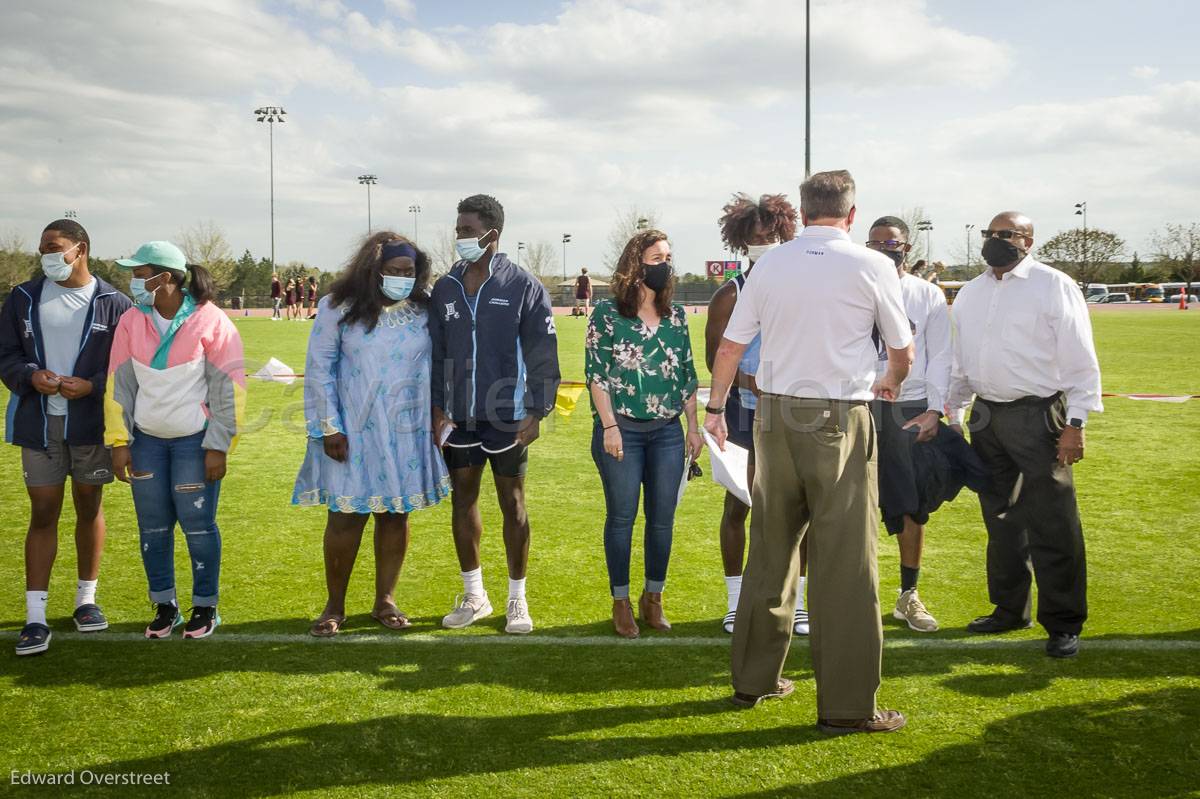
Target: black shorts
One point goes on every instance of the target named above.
(476, 443)
(739, 420)
(898, 495)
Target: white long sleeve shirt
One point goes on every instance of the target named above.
(929, 317)
(815, 300)
(1027, 334)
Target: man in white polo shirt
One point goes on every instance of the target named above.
(1024, 351)
(815, 301)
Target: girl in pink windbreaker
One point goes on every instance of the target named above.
(174, 405)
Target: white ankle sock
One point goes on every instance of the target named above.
(516, 589)
(733, 586)
(35, 607)
(800, 601)
(473, 582)
(85, 592)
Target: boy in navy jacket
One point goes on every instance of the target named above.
(495, 377)
(55, 334)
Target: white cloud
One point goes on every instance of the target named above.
(1144, 72)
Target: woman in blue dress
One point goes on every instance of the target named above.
(367, 410)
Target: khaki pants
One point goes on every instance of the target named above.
(815, 478)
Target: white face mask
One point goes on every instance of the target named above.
(756, 251)
(55, 266)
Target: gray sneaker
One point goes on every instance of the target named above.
(909, 608)
(519, 621)
(468, 609)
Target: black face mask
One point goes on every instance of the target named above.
(895, 255)
(1000, 253)
(656, 276)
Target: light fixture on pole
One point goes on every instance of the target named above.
(566, 241)
(1081, 210)
(969, 229)
(368, 181)
(927, 226)
(70, 214)
(414, 209)
(271, 114)
(643, 223)
(520, 249)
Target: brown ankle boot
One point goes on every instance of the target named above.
(651, 610)
(623, 621)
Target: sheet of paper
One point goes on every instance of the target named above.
(729, 467)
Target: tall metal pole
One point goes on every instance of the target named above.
(415, 210)
(271, 128)
(1081, 210)
(968, 250)
(807, 91)
(368, 209)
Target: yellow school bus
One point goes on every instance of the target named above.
(1147, 292)
(950, 288)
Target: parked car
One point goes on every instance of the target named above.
(1111, 297)
(1174, 298)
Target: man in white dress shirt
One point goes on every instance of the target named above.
(912, 419)
(816, 301)
(1023, 348)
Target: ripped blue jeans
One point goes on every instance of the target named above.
(167, 476)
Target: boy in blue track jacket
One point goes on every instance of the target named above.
(55, 335)
(495, 377)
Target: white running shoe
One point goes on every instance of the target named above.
(910, 609)
(727, 624)
(800, 621)
(519, 620)
(468, 609)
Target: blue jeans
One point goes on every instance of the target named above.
(653, 459)
(168, 487)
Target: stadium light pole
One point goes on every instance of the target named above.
(520, 248)
(807, 90)
(643, 223)
(368, 181)
(969, 229)
(271, 114)
(1081, 210)
(68, 214)
(414, 209)
(927, 226)
(566, 241)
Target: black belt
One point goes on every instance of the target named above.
(1022, 401)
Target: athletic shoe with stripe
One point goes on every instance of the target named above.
(909, 608)
(727, 622)
(202, 623)
(166, 618)
(468, 608)
(800, 621)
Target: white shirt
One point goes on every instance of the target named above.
(61, 315)
(816, 301)
(929, 318)
(1027, 334)
(161, 322)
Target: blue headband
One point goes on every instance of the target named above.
(398, 249)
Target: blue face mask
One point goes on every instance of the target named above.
(398, 288)
(137, 290)
(469, 249)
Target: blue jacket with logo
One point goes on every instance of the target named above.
(22, 353)
(496, 359)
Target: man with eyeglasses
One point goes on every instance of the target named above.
(1023, 349)
(913, 418)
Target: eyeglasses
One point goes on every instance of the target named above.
(1002, 234)
(889, 244)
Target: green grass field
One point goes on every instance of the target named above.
(261, 710)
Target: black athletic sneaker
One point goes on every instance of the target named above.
(202, 623)
(166, 618)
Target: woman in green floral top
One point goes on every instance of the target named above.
(642, 379)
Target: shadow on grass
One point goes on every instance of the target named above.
(1143, 744)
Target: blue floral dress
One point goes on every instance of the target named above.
(373, 386)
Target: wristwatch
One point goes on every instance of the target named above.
(1076, 423)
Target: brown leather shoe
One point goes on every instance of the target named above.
(782, 688)
(651, 610)
(882, 721)
(623, 621)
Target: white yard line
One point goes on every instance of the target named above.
(403, 639)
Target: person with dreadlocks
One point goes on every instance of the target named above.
(751, 228)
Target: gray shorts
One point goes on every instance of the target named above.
(90, 464)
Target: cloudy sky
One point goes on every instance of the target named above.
(137, 114)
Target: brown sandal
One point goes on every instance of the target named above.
(392, 618)
(327, 626)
